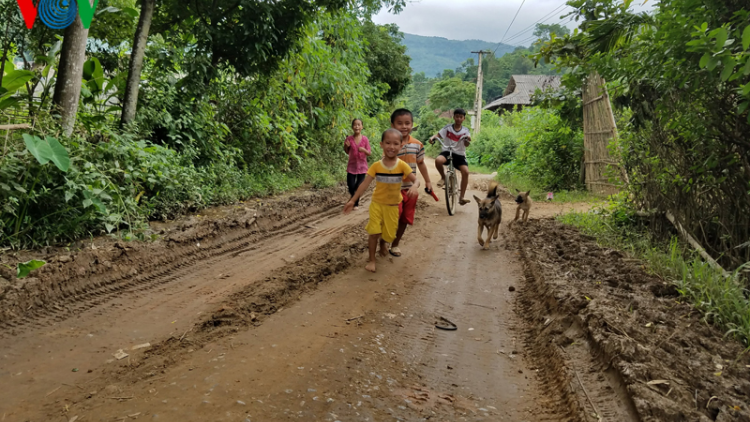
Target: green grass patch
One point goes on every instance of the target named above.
(722, 300)
(476, 168)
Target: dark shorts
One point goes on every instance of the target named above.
(458, 160)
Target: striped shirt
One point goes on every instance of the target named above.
(451, 137)
(412, 153)
(388, 181)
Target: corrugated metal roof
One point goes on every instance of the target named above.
(522, 87)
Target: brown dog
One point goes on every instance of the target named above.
(490, 215)
(524, 203)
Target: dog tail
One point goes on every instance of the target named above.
(492, 191)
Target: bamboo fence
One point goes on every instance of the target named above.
(599, 129)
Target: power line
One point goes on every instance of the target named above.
(511, 24)
(543, 19)
(540, 20)
(533, 25)
(531, 38)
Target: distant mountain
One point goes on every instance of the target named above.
(432, 55)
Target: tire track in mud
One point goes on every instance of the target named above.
(571, 362)
(246, 307)
(125, 270)
(617, 340)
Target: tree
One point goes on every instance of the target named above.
(452, 93)
(544, 31)
(687, 93)
(387, 58)
(136, 61)
(248, 35)
(70, 73)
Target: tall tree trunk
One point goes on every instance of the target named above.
(136, 61)
(70, 74)
(6, 47)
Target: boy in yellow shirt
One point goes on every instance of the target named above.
(388, 173)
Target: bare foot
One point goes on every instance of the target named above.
(370, 266)
(463, 201)
(384, 252)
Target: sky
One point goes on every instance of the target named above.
(485, 20)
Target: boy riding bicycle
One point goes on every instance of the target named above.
(458, 138)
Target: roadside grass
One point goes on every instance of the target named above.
(722, 300)
(513, 182)
(476, 168)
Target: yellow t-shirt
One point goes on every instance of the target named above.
(388, 181)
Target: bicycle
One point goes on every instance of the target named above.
(451, 181)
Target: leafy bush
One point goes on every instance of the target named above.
(549, 151)
(120, 182)
(496, 144)
(534, 145)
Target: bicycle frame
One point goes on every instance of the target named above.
(451, 182)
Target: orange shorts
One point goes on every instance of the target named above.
(407, 208)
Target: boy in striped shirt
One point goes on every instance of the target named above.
(412, 153)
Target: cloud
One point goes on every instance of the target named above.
(485, 20)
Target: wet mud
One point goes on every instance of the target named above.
(620, 337)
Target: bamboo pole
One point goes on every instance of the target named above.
(694, 243)
(15, 127)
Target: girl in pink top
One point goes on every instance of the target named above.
(358, 148)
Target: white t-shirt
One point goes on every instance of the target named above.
(451, 137)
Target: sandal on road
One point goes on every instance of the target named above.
(441, 183)
(395, 251)
(463, 201)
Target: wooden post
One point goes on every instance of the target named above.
(478, 96)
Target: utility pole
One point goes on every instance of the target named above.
(478, 97)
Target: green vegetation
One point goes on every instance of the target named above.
(534, 149)
(680, 83)
(721, 299)
(681, 75)
(219, 113)
(432, 55)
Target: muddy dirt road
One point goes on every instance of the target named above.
(305, 360)
(266, 313)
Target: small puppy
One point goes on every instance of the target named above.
(490, 215)
(524, 203)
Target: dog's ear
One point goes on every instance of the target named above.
(528, 193)
(479, 201)
(518, 191)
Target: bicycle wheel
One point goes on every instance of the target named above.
(448, 195)
(454, 192)
(450, 200)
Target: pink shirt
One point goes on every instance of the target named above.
(357, 160)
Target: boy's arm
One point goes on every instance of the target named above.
(438, 135)
(362, 188)
(414, 189)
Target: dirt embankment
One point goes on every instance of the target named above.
(75, 281)
(625, 342)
